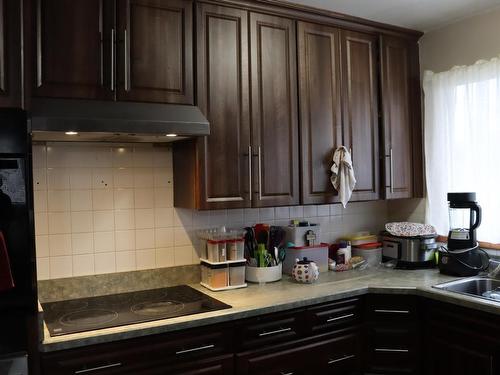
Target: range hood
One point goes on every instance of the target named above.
(107, 121)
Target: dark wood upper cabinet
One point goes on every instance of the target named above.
(360, 106)
(155, 51)
(339, 106)
(397, 116)
(10, 53)
(74, 49)
(223, 96)
(320, 109)
(274, 111)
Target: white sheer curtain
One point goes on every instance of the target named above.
(462, 142)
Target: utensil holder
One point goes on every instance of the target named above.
(264, 274)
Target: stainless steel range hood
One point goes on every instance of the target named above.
(103, 121)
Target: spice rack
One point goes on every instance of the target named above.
(226, 275)
(222, 259)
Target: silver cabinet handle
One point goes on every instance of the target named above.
(101, 59)
(384, 350)
(286, 373)
(112, 70)
(260, 172)
(341, 359)
(87, 370)
(282, 330)
(126, 52)
(392, 311)
(339, 318)
(391, 164)
(250, 156)
(195, 349)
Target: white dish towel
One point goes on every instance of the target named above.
(342, 177)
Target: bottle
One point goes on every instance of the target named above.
(344, 252)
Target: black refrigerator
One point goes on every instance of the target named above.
(18, 297)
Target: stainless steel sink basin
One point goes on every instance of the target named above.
(482, 287)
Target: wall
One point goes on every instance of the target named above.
(461, 43)
(102, 208)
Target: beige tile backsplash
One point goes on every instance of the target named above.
(104, 208)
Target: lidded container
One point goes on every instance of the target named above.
(236, 274)
(223, 276)
(217, 242)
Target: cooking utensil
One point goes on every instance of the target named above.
(250, 243)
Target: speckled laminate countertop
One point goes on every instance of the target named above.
(279, 296)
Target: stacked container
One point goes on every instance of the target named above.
(222, 259)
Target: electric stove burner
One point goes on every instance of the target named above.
(90, 317)
(85, 314)
(74, 305)
(157, 308)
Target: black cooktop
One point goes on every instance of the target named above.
(87, 314)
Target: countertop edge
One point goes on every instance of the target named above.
(158, 327)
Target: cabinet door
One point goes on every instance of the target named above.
(75, 51)
(396, 102)
(320, 109)
(155, 53)
(10, 53)
(274, 110)
(360, 104)
(445, 357)
(223, 96)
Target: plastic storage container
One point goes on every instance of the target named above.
(360, 238)
(222, 276)
(297, 235)
(372, 253)
(318, 254)
(235, 249)
(236, 274)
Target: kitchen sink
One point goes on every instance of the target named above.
(482, 287)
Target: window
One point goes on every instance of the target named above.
(462, 142)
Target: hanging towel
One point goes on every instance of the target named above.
(342, 177)
(6, 281)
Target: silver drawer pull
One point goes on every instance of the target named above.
(341, 359)
(391, 350)
(286, 373)
(282, 330)
(87, 370)
(339, 318)
(195, 349)
(393, 311)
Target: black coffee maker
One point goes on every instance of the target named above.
(463, 257)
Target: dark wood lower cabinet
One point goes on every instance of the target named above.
(376, 334)
(340, 354)
(460, 341)
(392, 333)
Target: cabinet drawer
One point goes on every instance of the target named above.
(391, 308)
(272, 362)
(129, 356)
(271, 329)
(341, 355)
(392, 336)
(390, 360)
(222, 365)
(334, 316)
